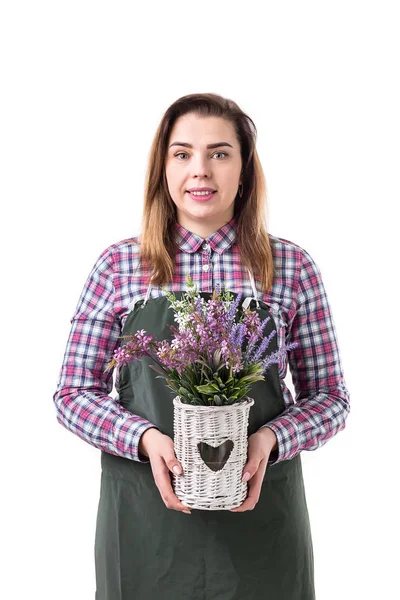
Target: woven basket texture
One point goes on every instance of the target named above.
(211, 443)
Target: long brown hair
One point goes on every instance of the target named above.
(157, 246)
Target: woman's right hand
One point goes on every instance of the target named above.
(159, 448)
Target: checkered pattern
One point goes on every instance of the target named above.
(298, 304)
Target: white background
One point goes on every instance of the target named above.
(84, 85)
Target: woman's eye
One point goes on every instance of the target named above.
(185, 153)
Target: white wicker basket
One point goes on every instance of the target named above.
(211, 443)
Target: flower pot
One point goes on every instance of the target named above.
(211, 443)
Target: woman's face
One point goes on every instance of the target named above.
(203, 152)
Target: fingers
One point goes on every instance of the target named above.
(255, 457)
(254, 471)
(174, 465)
(248, 504)
(161, 472)
(254, 489)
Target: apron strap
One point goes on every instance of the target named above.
(253, 285)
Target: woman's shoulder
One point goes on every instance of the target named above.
(291, 258)
(121, 254)
(130, 242)
(283, 244)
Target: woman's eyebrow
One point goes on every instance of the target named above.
(209, 146)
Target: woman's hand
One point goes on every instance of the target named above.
(260, 446)
(159, 448)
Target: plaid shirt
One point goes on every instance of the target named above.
(298, 304)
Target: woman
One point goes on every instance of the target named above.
(203, 215)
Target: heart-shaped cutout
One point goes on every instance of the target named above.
(215, 458)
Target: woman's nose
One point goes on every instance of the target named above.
(201, 167)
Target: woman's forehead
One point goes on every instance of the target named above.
(205, 127)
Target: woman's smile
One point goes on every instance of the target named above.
(201, 196)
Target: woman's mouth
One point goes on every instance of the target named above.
(201, 196)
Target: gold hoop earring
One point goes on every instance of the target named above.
(241, 190)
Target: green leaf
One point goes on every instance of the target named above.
(250, 378)
(232, 400)
(220, 383)
(207, 389)
(203, 362)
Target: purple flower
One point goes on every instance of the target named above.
(230, 315)
(256, 356)
(206, 352)
(198, 305)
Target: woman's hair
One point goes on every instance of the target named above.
(157, 244)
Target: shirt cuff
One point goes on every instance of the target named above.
(127, 436)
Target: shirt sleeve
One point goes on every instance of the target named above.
(82, 401)
(322, 401)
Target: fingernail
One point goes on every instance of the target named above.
(176, 470)
(187, 512)
(246, 477)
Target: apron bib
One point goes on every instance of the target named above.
(145, 551)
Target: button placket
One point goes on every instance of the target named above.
(206, 260)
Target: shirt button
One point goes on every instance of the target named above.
(206, 267)
(205, 246)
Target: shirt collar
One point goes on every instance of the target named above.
(219, 241)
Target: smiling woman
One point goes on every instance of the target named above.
(202, 181)
(203, 142)
(204, 214)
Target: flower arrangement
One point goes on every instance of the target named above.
(212, 360)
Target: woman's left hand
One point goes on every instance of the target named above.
(260, 446)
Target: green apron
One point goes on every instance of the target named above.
(145, 551)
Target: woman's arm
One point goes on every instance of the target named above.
(322, 399)
(82, 403)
